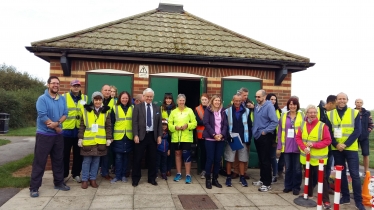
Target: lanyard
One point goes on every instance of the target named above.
(338, 118)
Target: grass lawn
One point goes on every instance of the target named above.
(4, 142)
(7, 180)
(28, 131)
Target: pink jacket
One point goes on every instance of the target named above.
(326, 138)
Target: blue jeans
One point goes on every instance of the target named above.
(214, 151)
(274, 163)
(351, 157)
(293, 174)
(121, 161)
(90, 166)
(161, 161)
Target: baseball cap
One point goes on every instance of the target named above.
(75, 82)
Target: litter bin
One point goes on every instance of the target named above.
(4, 122)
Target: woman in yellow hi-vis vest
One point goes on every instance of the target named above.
(314, 138)
(167, 106)
(199, 113)
(123, 143)
(95, 134)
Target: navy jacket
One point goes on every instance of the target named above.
(366, 123)
(209, 123)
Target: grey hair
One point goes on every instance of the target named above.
(148, 90)
(243, 89)
(181, 95)
(311, 107)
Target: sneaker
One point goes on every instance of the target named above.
(228, 182)
(124, 179)
(326, 205)
(177, 177)
(258, 183)
(243, 181)
(345, 201)
(34, 193)
(77, 179)
(274, 179)
(113, 180)
(188, 179)
(359, 206)
(202, 175)
(62, 187)
(264, 188)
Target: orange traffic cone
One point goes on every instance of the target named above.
(366, 188)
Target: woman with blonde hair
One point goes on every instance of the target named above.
(215, 123)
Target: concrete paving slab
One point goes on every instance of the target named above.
(241, 208)
(186, 189)
(249, 189)
(153, 201)
(279, 208)
(115, 189)
(150, 189)
(44, 191)
(70, 202)
(234, 200)
(163, 208)
(266, 199)
(216, 190)
(26, 203)
(112, 202)
(77, 191)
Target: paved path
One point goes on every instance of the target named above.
(19, 147)
(164, 196)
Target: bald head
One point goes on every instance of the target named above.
(341, 100)
(260, 96)
(105, 90)
(359, 103)
(237, 100)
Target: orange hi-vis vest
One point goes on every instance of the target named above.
(200, 128)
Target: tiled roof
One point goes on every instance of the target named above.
(173, 33)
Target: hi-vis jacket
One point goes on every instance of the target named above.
(299, 120)
(74, 111)
(123, 124)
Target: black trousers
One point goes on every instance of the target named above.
(147, 144)
(313, 172)
(201, 145)
(263, 145)
(77, 158)
(44, 146)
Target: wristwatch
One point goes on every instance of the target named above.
(59, 122)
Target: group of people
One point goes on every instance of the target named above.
(124, 124)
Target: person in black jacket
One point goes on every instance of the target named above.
(367, 127)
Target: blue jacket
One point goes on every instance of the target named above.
(49, 108)
(165, 142)
(265, 119)
(122, 146)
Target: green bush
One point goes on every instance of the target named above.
(18, 94)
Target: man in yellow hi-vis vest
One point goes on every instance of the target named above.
(346, 127)
(74, 101)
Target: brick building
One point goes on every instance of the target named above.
(169, 50)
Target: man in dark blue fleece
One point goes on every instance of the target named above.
(265, 122)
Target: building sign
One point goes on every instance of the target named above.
(143, 71)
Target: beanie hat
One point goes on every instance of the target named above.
(97, 93)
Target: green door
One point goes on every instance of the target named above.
(230, 88)
(95, 81)
(162, 85)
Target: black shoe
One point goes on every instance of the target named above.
(152, 182)
(287, 190)
(295, 191)
(208, 183)
(215, 181)
(134, 184)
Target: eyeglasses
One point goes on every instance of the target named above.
(54, 83)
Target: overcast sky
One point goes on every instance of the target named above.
(336, 35)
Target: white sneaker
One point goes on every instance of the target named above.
(77, 179)
(258, 183)
(264, 188)
(202, 174)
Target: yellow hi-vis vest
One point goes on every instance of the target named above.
(111, 104)
(314, 136)
(299, 122)
(74, 112)
(123, 124)
(347, 124)
(93, 138)
(278, 113)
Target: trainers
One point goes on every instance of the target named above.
(359, 206)
(188, 179)
(177, 177)
(113, 180)
(258, 183)
(34, 193)
(228, 182)
(62, 187)
(274, 179)
(202, 175)
(243, 181)
(77, 179)
(124, 179)
(264, 188)
(326, 205)
(345, 201)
